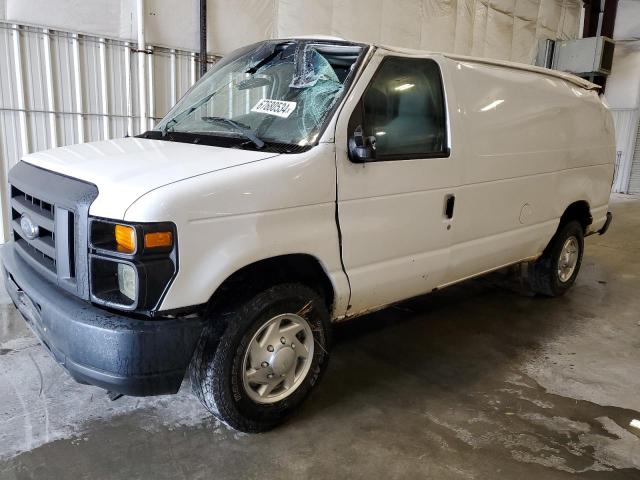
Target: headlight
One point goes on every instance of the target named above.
(131, 265)
(127, 281)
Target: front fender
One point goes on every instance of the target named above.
(232, 218)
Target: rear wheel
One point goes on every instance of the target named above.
(253, 373)
(556, 270)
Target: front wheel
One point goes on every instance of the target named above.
(254, 371)
(556, 270)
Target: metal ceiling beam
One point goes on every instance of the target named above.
(203, 37)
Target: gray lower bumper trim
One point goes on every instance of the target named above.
(122, 354)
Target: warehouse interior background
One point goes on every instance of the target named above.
(479, 380)
(75, 71)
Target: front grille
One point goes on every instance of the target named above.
(42, 250)
(58, 206)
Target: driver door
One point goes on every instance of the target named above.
(396, 211)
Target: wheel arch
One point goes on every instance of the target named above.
(261, 274)
(580, 211)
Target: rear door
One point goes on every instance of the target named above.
(394, 220)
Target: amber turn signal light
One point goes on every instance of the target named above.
(125, 238)
(158, 239)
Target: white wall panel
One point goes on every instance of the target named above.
(623, 85)
(104, 87)
(634, 174)
(234, 23)
(437, 20)
(505, 29)
(626, 123)
(162, 18)
(305, 17)
(111, 18)
(627, 20)
(623, 91)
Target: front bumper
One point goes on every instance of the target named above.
(115, 352)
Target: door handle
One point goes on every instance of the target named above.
(449, 203)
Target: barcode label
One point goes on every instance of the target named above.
(279, 108)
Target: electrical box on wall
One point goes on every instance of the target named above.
(584, 56)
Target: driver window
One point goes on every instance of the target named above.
(404, 109)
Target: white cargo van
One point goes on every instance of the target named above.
(299, 182)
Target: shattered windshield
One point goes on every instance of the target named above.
(274, 92)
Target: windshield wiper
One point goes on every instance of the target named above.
(264, 61)
(186, 112)
(238, 127)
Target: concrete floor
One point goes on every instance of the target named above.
(481, 380)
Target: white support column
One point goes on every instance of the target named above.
(104, 89)
(77, 80)
(5, 232)
(128, 93)
(142, 78)
(626, 124)
(51, 103)
(151, 80)
(174, 77)
(247, 100)
(192, 69)
(22, 114)
(230, 97)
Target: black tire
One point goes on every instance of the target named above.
(543, 273)
(216, 369)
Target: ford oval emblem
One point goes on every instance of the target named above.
(30, 229)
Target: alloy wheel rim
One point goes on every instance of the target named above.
(568, 259)
(277, 358)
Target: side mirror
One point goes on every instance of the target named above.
(361, 149)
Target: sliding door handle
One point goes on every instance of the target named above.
(449, 203)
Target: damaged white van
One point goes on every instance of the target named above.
(299, 182)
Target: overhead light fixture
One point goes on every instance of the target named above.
(492, 105)
(404, 86)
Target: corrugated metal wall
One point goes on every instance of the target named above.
(634, 178)
(59, 88)
(627, 124)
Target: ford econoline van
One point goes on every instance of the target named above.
(300, 182)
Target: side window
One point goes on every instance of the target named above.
(404, 109)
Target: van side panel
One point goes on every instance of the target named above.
(533, 144)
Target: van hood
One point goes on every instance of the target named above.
(127, 168)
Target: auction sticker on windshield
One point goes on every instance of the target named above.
(279, 108)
